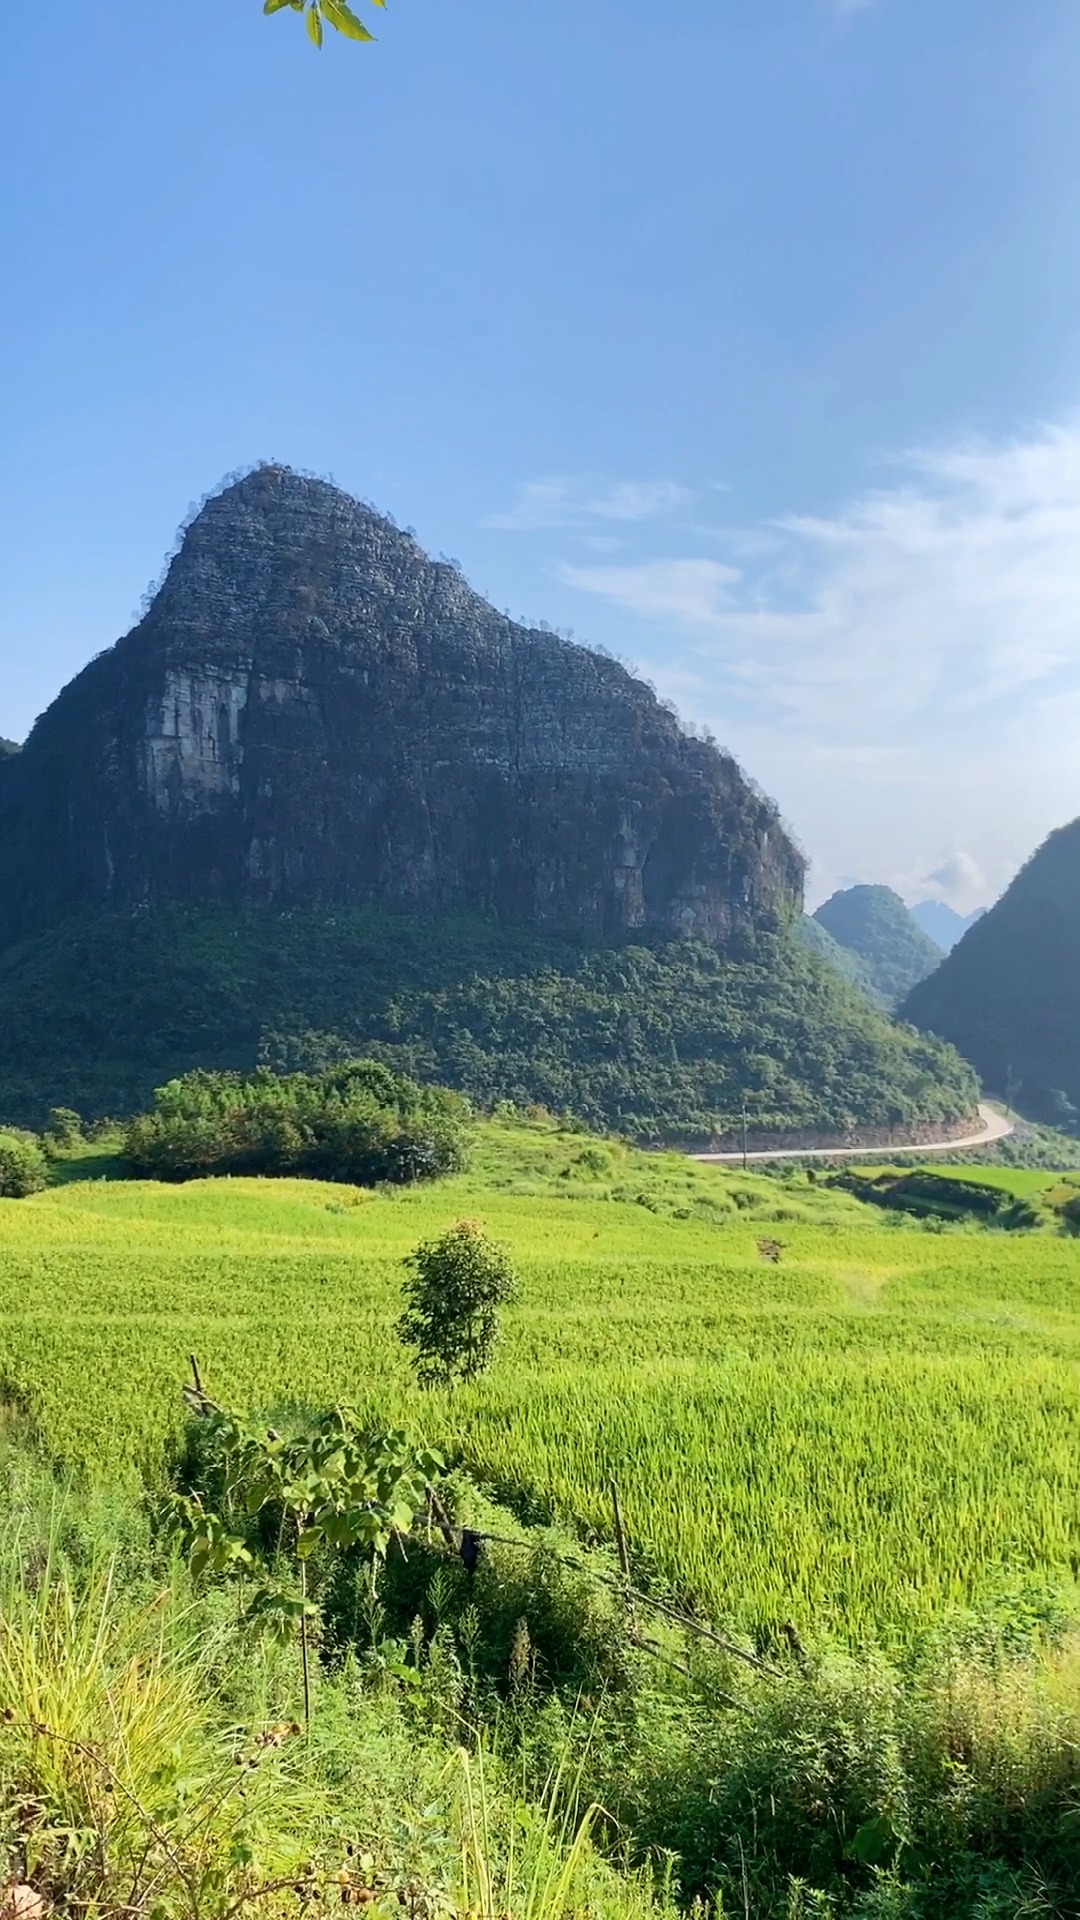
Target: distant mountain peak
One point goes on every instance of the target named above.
(942, 924)
(314, 713)
(1007, 994)
(874, 923)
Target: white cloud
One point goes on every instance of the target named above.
(958, 877)
(693, 592)
(568, 501)
(936, 599)
(904, 672)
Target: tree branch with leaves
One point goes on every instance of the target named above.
(327, 1489)
(332, 13)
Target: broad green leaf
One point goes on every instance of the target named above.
(314, 25)
(275, 6)
(341, 16)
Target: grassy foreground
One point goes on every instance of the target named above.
(880, 1429)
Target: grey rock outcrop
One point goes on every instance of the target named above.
(312, 712)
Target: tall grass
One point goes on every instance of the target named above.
(120, 1786)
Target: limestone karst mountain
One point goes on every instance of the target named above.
(312, 712)
(324, 799)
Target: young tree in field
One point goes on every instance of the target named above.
(453, 1293)
(328, 1488)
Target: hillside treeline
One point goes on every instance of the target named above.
(360, 1123)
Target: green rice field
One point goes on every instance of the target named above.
(880, 1428)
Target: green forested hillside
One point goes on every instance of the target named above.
(1009, 994)
(874, 924)
(661, 1040)
(843, 961)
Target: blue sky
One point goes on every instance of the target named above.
(743, 339)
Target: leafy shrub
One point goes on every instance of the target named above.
(22, 1167)
(455, 1287)
(359, 1123)
(65, 1126)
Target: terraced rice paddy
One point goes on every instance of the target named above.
(884, 1425)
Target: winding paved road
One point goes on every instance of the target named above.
(995, 1127)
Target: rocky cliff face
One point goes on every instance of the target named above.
(312, 712)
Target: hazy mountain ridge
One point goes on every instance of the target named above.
(848, 964)
(873, 923)
(1009, 995)
(942, 924)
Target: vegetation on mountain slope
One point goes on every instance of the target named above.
(1008, 995)
(843, 960)
(874, 924)
(662, 1040)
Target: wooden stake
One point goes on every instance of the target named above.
(624, 1557)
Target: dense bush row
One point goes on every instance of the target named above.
(359, 1123)
(22, 1166)
(662, 1040)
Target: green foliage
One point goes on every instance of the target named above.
(874, 925)
(843, 960)
(65, 1127)
(119, 1789)
(658, 1040)
(455, 1287)
(359, 1123)
(327, 1489)
(23, 1168)
(1017, 1201)
(336, 13)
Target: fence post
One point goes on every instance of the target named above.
(624, 1557)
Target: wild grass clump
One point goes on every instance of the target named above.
(121, 1794)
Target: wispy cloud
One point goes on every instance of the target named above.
(954, 588)
(693, 592)
(904, 671)
(569, 501)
